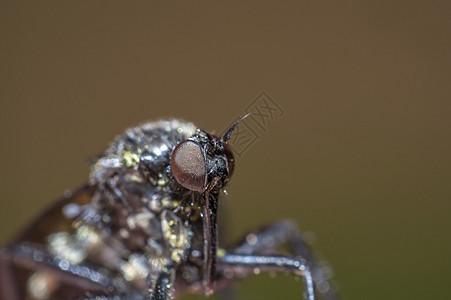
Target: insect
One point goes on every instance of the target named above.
(145, 227)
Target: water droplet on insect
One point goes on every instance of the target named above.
(251, 239)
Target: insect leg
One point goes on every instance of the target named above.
(164, 287)
(249, 262)
(28, 257)
(7, 274)
(163, 290)
(268, 239)
(119, 297)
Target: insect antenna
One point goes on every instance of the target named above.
(226, 136)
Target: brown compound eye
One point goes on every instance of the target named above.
(188, 165)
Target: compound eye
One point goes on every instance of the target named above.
(188, 165)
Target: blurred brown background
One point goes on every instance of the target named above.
(361, 156)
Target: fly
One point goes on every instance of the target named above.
(145, 227)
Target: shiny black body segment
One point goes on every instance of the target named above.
(145, 227)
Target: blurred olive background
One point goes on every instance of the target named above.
(361, 156)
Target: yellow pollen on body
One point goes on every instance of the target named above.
(130, 158)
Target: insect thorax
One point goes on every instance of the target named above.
(139, 220)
